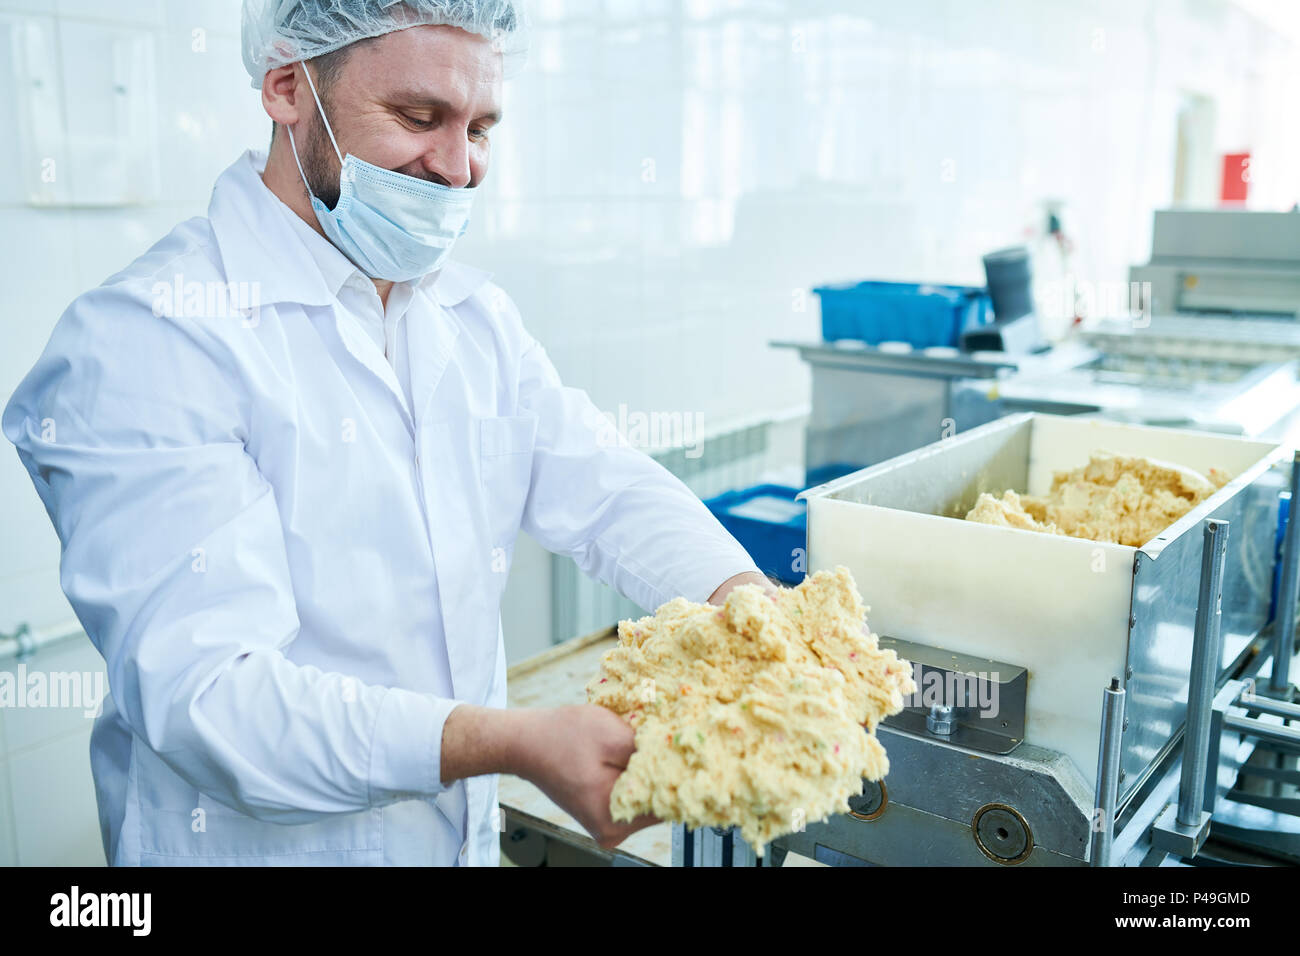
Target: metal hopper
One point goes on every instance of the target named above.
(1073, 613)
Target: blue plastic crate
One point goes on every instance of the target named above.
(1283, 510)
(824, 473)
(770, 525)
(920, 314)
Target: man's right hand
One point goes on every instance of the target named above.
(574, 755)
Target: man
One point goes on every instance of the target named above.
(287, 507)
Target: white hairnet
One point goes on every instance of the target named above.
(279, 32)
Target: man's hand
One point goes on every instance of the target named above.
(574, 755)
(749, 577)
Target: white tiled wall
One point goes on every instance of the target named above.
(670, 175)
(8, 839)
(794, 143)
(47, 799)
(206, 114)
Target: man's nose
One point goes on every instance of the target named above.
(448, 159)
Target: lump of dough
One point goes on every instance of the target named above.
(759, 714)
(1009, 511)
(1123, 500)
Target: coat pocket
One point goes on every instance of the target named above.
(227, 833)
(179, 826)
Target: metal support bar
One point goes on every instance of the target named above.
(1206, 652)
(1154, 857)
(1257, 728)
(707, 846)
(1287, 591)
(683, 846)
(1267, 705)
(1182, 829)
(1276, 774)
(1112, 730)
(718, 847)
(1288, 805)
(1223, 752)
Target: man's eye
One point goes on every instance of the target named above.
(478, 133)
(419, 123)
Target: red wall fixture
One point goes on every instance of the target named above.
(1236, 177)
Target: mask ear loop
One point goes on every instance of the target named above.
(321, 108)
(294, 146)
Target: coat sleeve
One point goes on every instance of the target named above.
(621, 516)
(133, 427)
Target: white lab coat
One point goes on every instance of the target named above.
(293, 572)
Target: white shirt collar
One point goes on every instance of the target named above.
(287, 259)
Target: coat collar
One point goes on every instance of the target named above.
(261, 247)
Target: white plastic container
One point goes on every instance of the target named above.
(1074, 612)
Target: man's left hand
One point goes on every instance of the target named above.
(749, 577)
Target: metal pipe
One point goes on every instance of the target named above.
(1257, 728)
(683, 846)
(24, 642)
(1267, 705)
(1107, 796)
(1287, 590)
(1206, 653)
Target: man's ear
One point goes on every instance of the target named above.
(280, 94)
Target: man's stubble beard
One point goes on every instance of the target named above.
(321, 165)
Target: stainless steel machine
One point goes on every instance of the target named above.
(1223, 262)
(872, 402)
(1213, 340)
(1162, 382)
(1143, 699)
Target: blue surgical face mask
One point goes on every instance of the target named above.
(392, 226)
